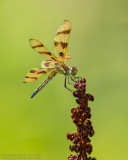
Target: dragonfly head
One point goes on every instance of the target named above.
(73, 71)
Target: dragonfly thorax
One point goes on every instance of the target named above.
(73, 71)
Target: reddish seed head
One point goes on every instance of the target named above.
(81, 118)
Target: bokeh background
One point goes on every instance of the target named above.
(99, 49)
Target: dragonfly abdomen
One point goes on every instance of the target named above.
(42, 85)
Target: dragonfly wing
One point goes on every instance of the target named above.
(49, 64)
(52, 75)
(35, 73)
(61, 40)
(40, 48)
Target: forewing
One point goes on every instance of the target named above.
(35, 73)
(61, 40)
(40, 48)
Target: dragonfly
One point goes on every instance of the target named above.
(54, 64)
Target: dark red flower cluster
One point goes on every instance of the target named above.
(81, 118)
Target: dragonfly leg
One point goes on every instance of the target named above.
(77, 78)
(69, 80)
(72, 79)
(65, 84)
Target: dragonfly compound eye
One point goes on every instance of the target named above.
(74, 70)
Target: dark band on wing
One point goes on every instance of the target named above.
(56, 43)
(30, 77)
(63, 44)
(40, 45)
(32, 71)
(46, 53)
(53, 58)
(42, 72)
(46, 64)
(64, 32)
(61, 54)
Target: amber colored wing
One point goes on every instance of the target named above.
(61, 40)
(35, 73)
(49, 64)
(40, 48)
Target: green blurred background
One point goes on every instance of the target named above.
(99, 49)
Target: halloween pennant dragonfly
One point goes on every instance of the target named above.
(55, 64)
